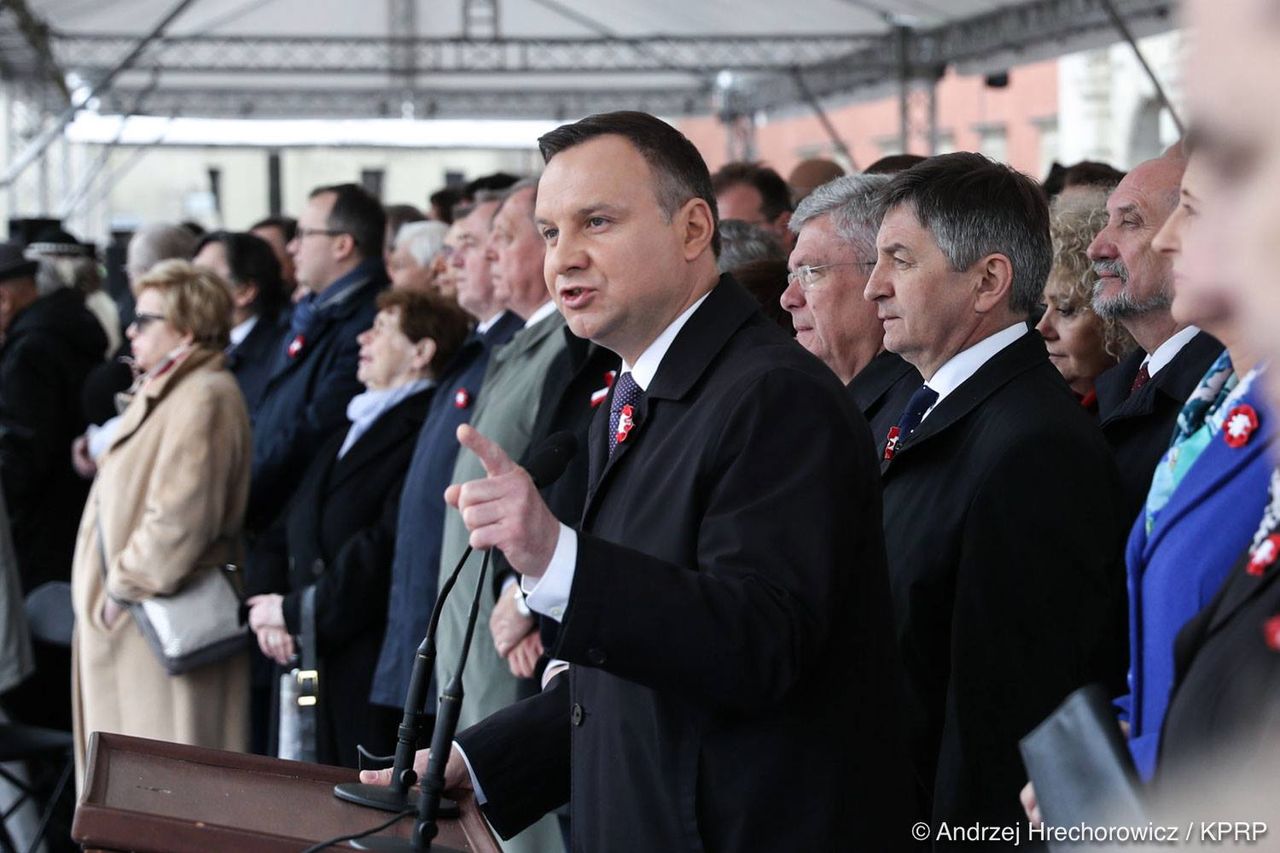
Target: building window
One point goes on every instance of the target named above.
(1048, 128)
(993, 141)
(371, 180)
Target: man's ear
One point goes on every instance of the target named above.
(344, 247)
(244, 295)
(994, 284)
(697, 225)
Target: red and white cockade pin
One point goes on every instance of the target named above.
(1261, 558)
(461, 398)
(1239, 426)
(626, 423)
(296, 345)
(598, 396)
(1271, 633)
(891, 444)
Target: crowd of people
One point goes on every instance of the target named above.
(874, 470)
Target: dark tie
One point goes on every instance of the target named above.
(626, 394)
(1141, 379)
(914, 413)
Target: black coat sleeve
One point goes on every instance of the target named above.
(351, 595)
(31, 411)
(520, 757)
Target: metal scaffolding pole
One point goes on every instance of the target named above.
(823, 119)
(41, 143)
(1127, 35)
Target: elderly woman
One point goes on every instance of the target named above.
(167, 502)
(412, 264)
(338, 536)
(1081, 344)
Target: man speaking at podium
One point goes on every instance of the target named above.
(724, 602)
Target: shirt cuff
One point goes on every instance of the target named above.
(550, 594)
(481, 799)
(554, 667)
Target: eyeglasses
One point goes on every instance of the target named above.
(304, 233)
(141, 321)
(808, 276)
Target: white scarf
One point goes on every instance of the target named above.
(364, 409)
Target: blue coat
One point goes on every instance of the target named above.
(1177, 569)
(416, 566)
(253, 359)
(306, 397)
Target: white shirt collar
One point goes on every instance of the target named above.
(486, 325)
(1169, 350)
(241, 331)
(544, 311)
(646, 366)
(965, 363)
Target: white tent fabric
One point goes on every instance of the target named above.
(549, 58)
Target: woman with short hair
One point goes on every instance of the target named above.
(167, 503)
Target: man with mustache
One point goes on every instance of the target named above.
(1139, 399)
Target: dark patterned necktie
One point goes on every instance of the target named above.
(914, 413)
(622, 411)
(1143, 377)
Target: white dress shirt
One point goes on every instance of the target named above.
(544, 311)
(240, 331)
(550, 594)
(967, 362)
(1169, 350)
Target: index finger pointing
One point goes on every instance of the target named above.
(494, 459)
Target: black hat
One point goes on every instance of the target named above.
(55, 242)
(14, 264)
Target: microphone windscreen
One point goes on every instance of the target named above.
(551, 458)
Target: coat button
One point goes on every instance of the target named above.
(596, 657)
(577, 715)
(317, 568)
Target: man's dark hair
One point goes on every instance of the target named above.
(975, 207)
(1089, 173)
(443, 202)
(358, 213)
(497, 181)
(286, 225)
(775, 194)
(399, 214)
(892, 164)
(679, 171)
(252, 261)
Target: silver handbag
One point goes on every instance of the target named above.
(198, 625)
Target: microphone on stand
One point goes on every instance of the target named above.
(545, 466)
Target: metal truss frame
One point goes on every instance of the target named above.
(381, 76)
(422, 103)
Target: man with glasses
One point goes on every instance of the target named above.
(835, 228)
(1001, 514)
(337, 254)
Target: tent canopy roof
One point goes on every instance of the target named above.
(544, 58)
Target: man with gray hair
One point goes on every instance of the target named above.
(412, 263)
(1001, 516)
(1140, 398)
(835, 228)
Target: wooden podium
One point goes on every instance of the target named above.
(153, 796)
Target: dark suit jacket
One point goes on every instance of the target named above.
(339, 534)
(46, 354)
(1003, 535)
(881, 391)
(306, 397)
(1225, 704)
(1140, 427)
(732, 685)
(254, 358)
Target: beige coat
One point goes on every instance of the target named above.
(170, 495)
